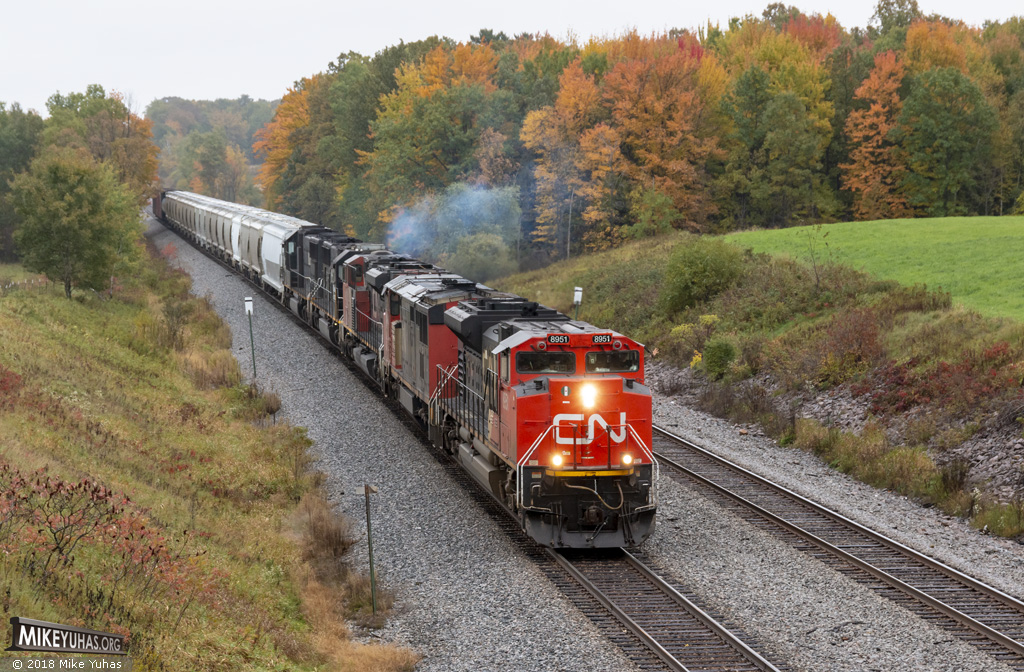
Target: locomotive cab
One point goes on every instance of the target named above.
(552, 415)
(576, 417)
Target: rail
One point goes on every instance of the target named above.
(681, 634)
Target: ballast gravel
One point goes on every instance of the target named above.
(466, 599)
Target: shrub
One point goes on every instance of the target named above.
(698, 270)
(686, 341)
(849, 348)
(481, 257)
(954, 475)
(749, 404)
(718, 355)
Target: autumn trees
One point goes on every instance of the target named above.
(20, 134)
(106, 127)
(776, 121)
(71, 186)
(206, 146)
(875, 172)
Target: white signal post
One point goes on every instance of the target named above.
(577, 299)
(367, 491)
(252, 341)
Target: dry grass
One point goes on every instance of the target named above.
(332, 593)
(98, 388)
(909, 471)
(210, 369)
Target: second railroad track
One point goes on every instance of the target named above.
(980, 614)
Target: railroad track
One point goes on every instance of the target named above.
(980, 614)
(681, 634)
(649, 618)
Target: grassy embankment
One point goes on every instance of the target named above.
(143, 491)
(941, 371)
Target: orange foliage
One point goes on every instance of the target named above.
(275, 142)
(657, 109)
(598, 160)
(474, 64)
(528, 49)
(466, 64)
(632, 46)
(579, 101)
(819, 34)
(874, 172)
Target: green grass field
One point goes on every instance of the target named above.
(979, 260)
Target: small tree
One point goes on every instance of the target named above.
(76, 219)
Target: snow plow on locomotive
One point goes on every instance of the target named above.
(549, 414)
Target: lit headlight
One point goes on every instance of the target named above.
(627, 458)
(556, 460)
(589, 395)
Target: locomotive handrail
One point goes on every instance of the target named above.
(368, 334)
(656, 476)
(522, 461)
(443, 376)
(447, 374)
(471, 410)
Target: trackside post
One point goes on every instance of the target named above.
(368, 490)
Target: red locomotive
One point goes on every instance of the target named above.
(549, 414)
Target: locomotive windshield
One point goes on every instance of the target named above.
(545, 362)
(613, 361)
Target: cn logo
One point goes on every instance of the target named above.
(568, 421)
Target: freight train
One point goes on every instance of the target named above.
(550, 414)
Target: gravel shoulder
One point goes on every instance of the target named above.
(467, 600)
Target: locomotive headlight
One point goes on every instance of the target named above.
(627, 458)
(589, 395)
(556, 460)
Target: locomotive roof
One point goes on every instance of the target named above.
(379, 275)
(347, 250)
(433, 288)
(472, 318)
(524, 330)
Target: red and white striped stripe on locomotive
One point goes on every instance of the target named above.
(549, 414)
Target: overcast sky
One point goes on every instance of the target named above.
(213, 49)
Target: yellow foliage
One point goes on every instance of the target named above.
(933, 44)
